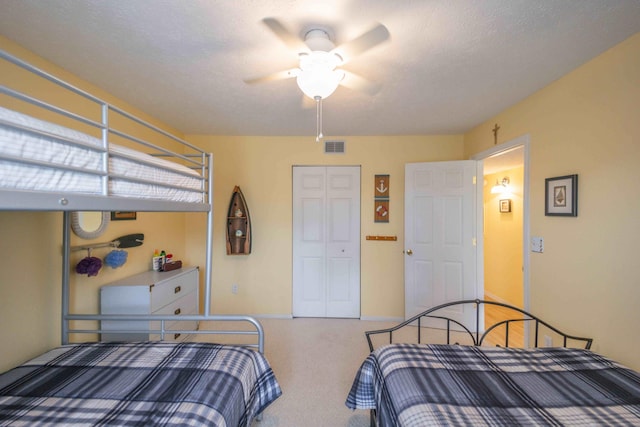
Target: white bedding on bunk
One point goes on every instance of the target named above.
(24, 144)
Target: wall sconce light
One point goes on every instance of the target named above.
(501, 188)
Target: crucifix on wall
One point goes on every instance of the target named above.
(495, 130)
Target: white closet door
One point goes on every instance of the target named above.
(326, 241)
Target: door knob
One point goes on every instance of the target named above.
(409, 252)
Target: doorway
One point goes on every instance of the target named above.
(326, 241)
(519, 149)
(504, 259)
(503, 224)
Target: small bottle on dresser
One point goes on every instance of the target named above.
(157, 261)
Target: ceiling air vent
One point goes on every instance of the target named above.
(334, 147)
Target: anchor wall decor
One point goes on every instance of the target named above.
(381, 198)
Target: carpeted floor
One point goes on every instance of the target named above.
(315, 361)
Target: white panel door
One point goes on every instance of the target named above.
(440, 251)
(326, 241)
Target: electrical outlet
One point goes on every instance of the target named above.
(548, 342)
(234, 288)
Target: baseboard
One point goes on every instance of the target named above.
(495, 298)
(366, 318)
(272, 316)
(382, 319)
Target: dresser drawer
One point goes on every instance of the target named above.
(170, 290)
(153, 293)
(188, 304)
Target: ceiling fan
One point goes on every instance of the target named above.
(319, 72)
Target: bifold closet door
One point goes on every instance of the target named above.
(326, 241)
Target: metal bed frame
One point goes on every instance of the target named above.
(474, 331)
(194, 157)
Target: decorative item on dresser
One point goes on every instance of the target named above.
(238, 225)
(152, 292)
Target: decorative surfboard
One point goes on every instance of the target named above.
(238, 225)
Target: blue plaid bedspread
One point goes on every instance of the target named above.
(423, 385)
(141, 384)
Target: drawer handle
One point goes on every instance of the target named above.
(176, 336)
(177, 311)
(177, 289)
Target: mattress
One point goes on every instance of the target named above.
(453, 385)
(156, 383)
(51, 148)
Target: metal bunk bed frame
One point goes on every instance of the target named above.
(54, 201)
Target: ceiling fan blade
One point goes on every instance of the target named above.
(364, 42)
(287, 37)
(355, 82)
(279, 75)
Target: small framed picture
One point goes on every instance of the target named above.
(123, 216)
(505, 205)
(561, 196)
(381, 213)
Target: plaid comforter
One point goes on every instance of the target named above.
(141, 384)
(422, 385)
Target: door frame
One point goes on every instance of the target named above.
(524, 142)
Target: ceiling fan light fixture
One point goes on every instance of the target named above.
(318, 76)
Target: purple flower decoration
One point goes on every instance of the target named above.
(116, 258)
(89, 266)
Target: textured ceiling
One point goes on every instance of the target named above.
(448, 66)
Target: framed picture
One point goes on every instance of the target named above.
(505, 205)
(561, 196)
(122, 216)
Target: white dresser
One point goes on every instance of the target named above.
(171, 292)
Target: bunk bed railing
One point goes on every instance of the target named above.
(100, 128)
(192, 156)
(477, 333)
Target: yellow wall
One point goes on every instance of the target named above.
(587, 123)
(262, 167)
(503, 240)
(584, 282)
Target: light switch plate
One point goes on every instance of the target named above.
(537, 244)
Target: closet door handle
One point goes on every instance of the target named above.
(409, 252)
(177, 289)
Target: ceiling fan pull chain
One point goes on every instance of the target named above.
(319, 134)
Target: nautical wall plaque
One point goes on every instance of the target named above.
(381, 198)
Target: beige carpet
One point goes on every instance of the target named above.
(315, 361)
